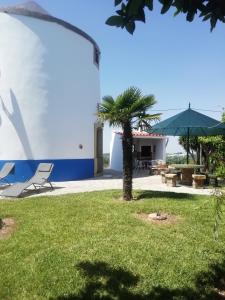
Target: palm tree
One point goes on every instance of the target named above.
(126, 110)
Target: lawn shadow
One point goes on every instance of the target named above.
(106, 282)
(151, 195)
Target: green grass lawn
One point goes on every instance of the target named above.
(91, 246)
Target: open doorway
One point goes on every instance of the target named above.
(146, 152)
(98, 148)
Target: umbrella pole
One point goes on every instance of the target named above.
(188, 145)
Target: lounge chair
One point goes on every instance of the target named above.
(39, 179)
(6, 170)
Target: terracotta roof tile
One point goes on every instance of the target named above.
(141, 133)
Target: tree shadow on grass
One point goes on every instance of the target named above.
(108, 283)
(151, 195)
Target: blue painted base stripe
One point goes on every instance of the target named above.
(64, 169)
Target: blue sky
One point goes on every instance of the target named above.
(177, 61)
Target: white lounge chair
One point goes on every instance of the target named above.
(5, 171)
(38, 180)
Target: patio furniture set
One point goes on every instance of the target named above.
(184, 174)
(189, 123)
(190, 175)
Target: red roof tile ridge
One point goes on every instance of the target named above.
(141, 133)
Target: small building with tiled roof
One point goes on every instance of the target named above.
(147, 147)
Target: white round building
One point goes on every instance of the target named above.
(49, 90)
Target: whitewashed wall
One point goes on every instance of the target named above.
(160, 149)
(49, 88)
(116, 153)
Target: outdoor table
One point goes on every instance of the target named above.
(186, 171)
(158, 169)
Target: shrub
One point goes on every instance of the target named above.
(220, 171)
(175, 159)
(219, 198)
(106, 159)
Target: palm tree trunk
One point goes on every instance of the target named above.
(127, 143)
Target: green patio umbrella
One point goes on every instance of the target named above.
(219, 129)
(187, 123)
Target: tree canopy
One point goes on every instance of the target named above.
(131, 11)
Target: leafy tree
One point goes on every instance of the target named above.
(194, 147)
(176, 159)
(214, 149)
(125, 111)
(131, 11)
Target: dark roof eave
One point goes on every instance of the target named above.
(49, 18)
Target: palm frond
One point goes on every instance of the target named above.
(127, 106)
(153, 117)
(107, 104)
(128, 97)
(142, 104)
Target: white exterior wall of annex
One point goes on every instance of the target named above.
(116, 155)
(49, 88)
(116, 152)
(158, 142)
(160, 149)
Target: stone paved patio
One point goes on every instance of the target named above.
(112, 180)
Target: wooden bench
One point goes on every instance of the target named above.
(198, 181)
(171, 179)
(163, 175)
